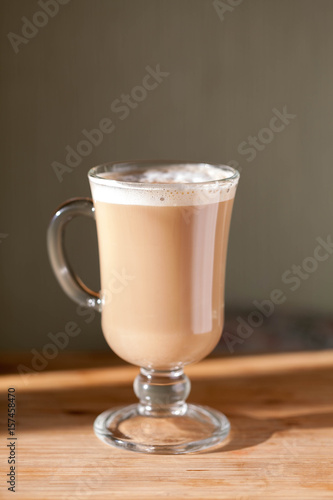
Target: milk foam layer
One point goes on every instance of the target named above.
(172, 185)
(171, 174)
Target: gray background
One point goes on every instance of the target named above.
(226, 76)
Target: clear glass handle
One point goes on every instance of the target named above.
(68, 280)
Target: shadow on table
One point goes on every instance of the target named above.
(247, 431)
(258, 406)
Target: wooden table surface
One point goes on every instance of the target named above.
(281, 444)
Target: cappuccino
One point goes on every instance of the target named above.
(164, 231)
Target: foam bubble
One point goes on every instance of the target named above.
(172, 185)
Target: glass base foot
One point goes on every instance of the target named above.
(194, 428)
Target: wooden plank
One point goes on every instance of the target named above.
(281, 445)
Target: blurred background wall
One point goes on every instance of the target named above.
(228, 68)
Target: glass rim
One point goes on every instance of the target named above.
(94, 174)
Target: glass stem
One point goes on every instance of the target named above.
(162, 393)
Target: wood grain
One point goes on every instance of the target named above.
(281, 445)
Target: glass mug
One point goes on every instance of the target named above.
(162, 232)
